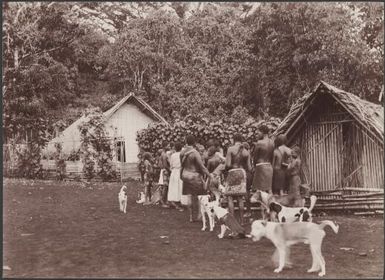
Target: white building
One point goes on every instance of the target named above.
(123, 121)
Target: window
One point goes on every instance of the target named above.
(121, 151)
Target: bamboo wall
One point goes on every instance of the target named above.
(335, 150)
(372, 161)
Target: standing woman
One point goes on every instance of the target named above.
(175, 185)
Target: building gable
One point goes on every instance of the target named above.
(370, 116)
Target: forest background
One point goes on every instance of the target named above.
(209, 60)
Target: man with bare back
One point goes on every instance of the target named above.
(192, 174)
(263, 157)
(279, 167)
(286, 157)
(238, 164)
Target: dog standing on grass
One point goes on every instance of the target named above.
(283, 214)
(284, 206)
(226, 220)
(205, 207)
(283, 235)
(123, 199)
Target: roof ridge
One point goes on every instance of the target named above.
(370, 114)
(114, 108)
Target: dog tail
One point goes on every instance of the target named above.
(313, 200)
(331, 224)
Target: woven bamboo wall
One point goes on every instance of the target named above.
(335, 151)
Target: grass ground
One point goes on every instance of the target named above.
(71, 229)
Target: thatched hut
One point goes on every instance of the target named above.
(342, 142)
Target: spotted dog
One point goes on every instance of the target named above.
(227, 221)
(206, 208)
(285, 214)
(288, 200)
(293, 200)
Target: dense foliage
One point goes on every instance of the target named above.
(211, 63)
(96, 148)
(262, 63)
(151, 139)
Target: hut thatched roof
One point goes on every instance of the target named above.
(369, 115)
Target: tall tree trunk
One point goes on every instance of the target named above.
(16, 57)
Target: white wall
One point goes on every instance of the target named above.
(128, 119)
(69, 138)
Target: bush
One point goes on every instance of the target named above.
(74, 155)
(28, 161)
(150, 139)
(96, 148)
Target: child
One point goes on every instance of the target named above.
(141, 167)
(293, 170)
(148, 176)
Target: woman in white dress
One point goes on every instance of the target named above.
(175, 184)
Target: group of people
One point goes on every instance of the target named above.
(185, 172)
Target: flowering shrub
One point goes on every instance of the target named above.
(151, 139)
(96, 148)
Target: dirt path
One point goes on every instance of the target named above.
(70, 229)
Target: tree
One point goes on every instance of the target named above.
(43, 53)
(296, 47)
(183, 66)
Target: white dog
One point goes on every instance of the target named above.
(123, 199)
(283, 235)
(291, 214)
(277, 206)
(206, 205)
(227, 220)
(142, 198)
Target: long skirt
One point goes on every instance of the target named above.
(294, 184)
(263, 177)
(193, 183)
(175, 186)
(279, 180)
